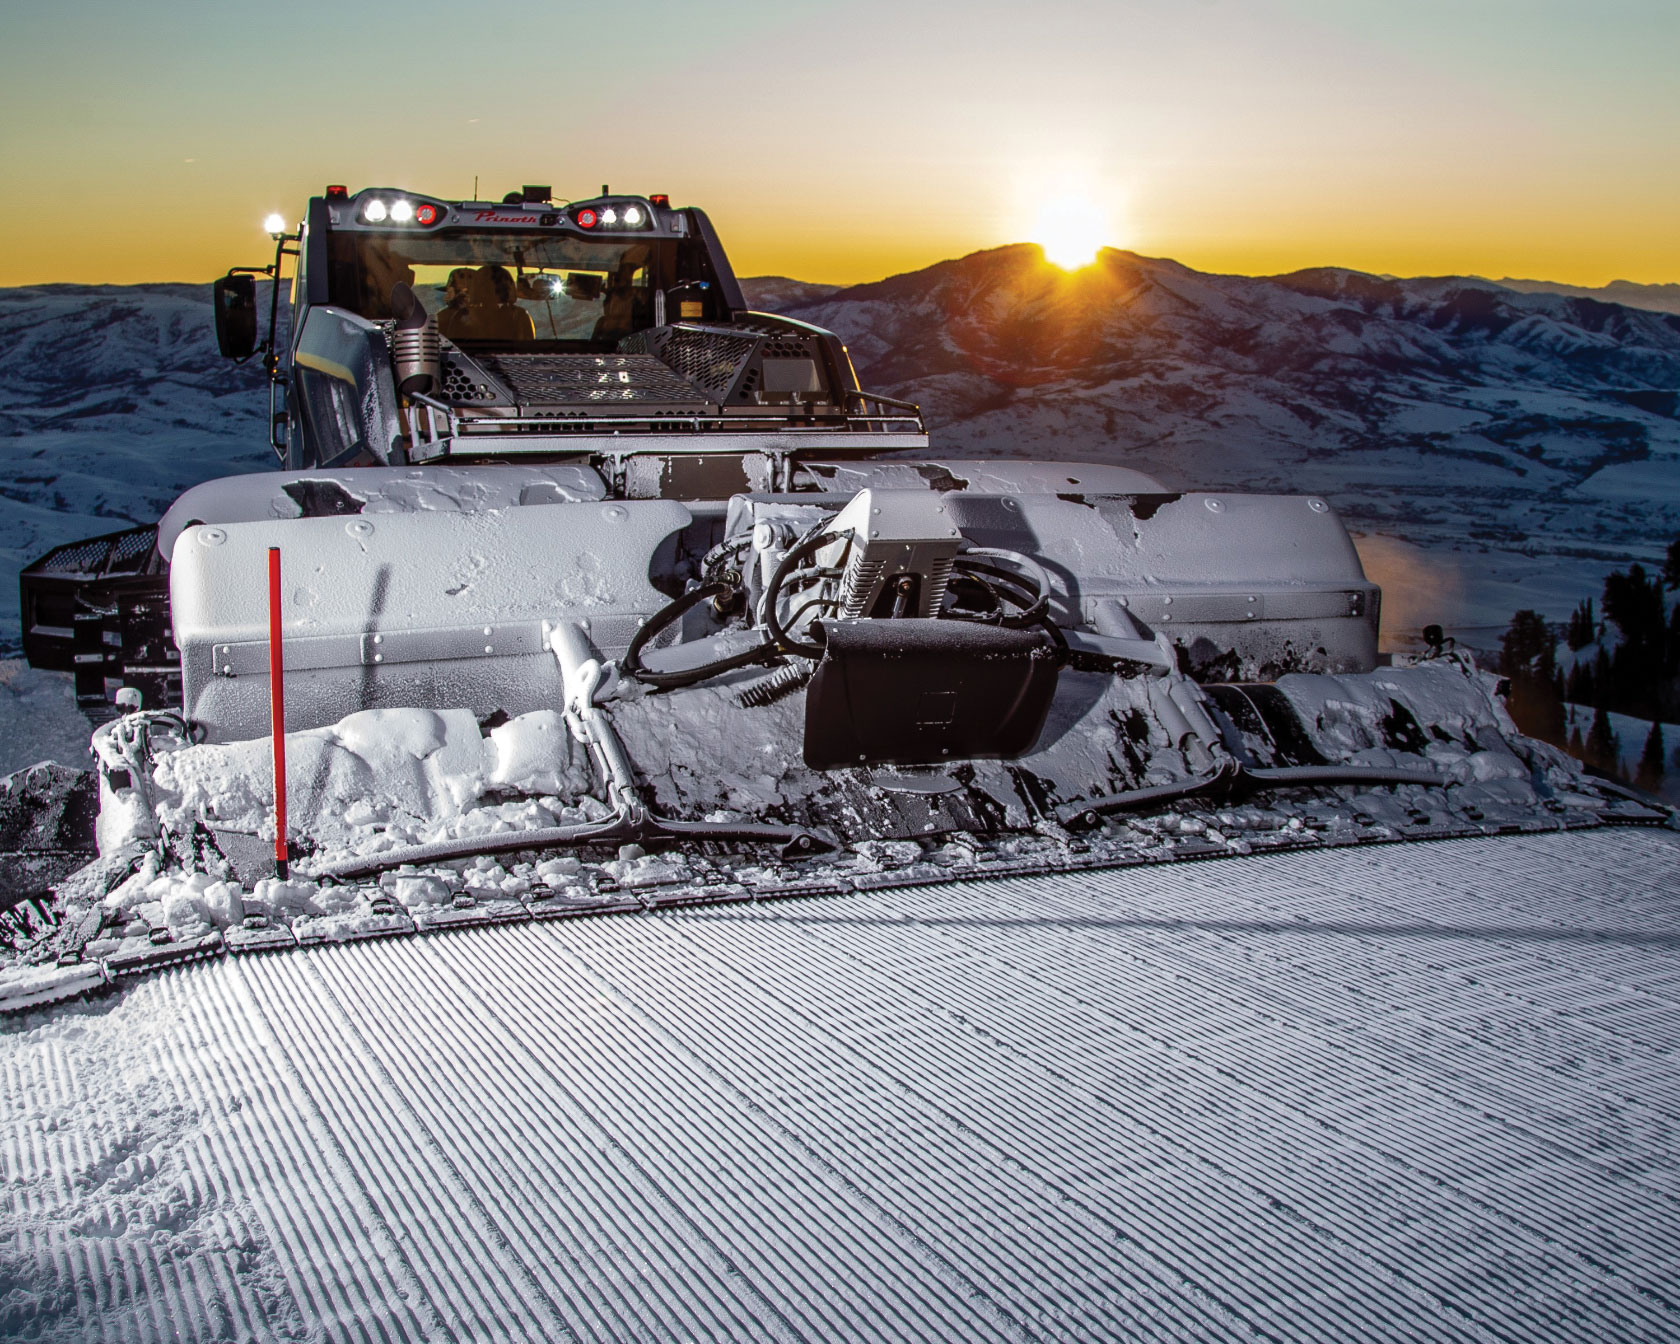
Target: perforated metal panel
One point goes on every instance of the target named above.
(708, 358)
(591, 380)
(116, 553)
(463, 383)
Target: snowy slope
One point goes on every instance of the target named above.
(117, 402)
(1406, 1093)
(1448, 413)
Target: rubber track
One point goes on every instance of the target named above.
(1397, 1093)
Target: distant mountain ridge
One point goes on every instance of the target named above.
(1445, 412)
(1447, 408)
(1664, 298)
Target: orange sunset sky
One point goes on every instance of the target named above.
(847, 142)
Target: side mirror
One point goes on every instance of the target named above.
(235, 299)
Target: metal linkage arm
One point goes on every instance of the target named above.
(587, 680)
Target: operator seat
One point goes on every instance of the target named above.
(454, 311)
(491, 313)
(618, 307)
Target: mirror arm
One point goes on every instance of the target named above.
(271, 357)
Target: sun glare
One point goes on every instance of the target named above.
(1071, 230)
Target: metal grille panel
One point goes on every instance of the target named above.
(462, 382)
(709, 359)
(115, 553)
(591, 380)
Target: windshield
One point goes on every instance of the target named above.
(499, 287)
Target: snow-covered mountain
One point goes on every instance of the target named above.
(1628, 293)
(1516, 445)
(117, 401)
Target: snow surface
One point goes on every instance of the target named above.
(1416, 1092)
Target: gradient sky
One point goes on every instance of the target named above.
(847, 142)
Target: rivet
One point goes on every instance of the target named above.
(378, 657)
(212, 536)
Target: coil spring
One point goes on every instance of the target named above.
(781, 683)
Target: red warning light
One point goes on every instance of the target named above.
(660, 200)
(426, 214)
(337, 193)
(586, 219)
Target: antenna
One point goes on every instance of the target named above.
(475, 186)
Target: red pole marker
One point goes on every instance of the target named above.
(277, 711)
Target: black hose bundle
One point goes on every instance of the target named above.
(631, 663)
(1007, 578)
(806, 546)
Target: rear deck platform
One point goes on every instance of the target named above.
(1424, 1091)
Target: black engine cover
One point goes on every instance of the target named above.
(915, 692)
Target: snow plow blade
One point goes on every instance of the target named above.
(416, 820)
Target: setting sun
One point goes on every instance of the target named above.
(1071, 230)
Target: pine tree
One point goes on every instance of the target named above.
(1582, 627)
(1603, 749)
(1528, 648)
(1528, 657)
(1671, 565)
(1580, 689)
(1650, 773)
(1577, 748)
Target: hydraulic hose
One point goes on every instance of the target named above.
(1027, 583)
(798, 552)
(631, 663)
